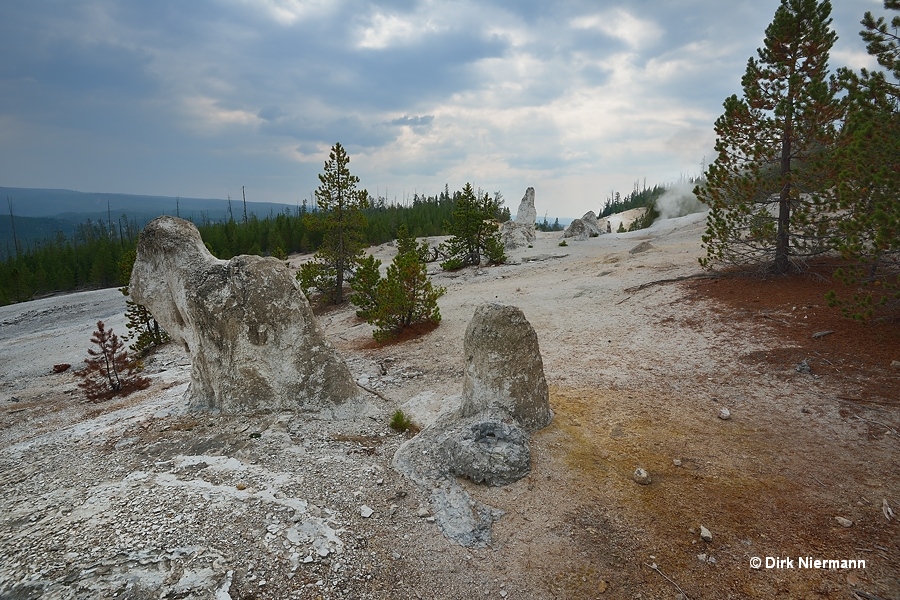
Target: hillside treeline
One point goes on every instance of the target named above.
(91, 258)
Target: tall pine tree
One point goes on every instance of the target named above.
(762, 187)
(865, 187)
(342, 223)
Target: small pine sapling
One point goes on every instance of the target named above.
(400, 422)
(405, 296)
(108, 372)
(142, 327)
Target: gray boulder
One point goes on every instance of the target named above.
(253, 340)
(584, 228)
(489, 452)
(504, 371)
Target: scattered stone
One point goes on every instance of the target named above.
(61, 367)
(803, 367)
(642, 247)
(641, 476)
(895, 364)
(821, 334)
(423, 512)
(253, 339)
(504, 371)
(724, 414)
(676, 462)
(705, 534)
(365, 511)
(844, 522)
(489, 452)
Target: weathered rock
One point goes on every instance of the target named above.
(253, 340)
(641, 476)
(577, 229)
(504, 371)
(489, 452)
(642, 247)
(724, 413)
(705, 534)
(583, 228)
(520, 232)
(590, 219)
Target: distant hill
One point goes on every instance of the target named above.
(39, 214)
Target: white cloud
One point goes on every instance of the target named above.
(289, 12)
(386, 30)
(622, 25)
(205, 115)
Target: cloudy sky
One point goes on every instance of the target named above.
(197, 98)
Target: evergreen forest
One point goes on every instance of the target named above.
(91, 258)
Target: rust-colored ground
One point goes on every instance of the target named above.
(767, 483)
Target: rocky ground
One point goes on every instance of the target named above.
(135, 498)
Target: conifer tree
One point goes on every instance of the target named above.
(342, 223)
(365, 283)
(404, 297)
(762, 187)
(142, 327)
(474, 234)
(866, 177)
(108, 372)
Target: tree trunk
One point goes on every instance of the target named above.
(782, 237)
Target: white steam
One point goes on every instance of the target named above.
(678, 201)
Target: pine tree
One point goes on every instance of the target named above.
(342, 223)
(866, 178)
(404, 297)
(762, 187)
(365, 283)
(474, 234)
(142, 327)
(108, 372)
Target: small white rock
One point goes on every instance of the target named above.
(724, 413)
(844, 522)
(365, 511)
(705, 535)
(676, 462)
(641, 476)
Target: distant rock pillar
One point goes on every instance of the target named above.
(520, 232)
(504, 370)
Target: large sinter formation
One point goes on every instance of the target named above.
(253, 340)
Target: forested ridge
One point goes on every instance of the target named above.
(91, 258)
